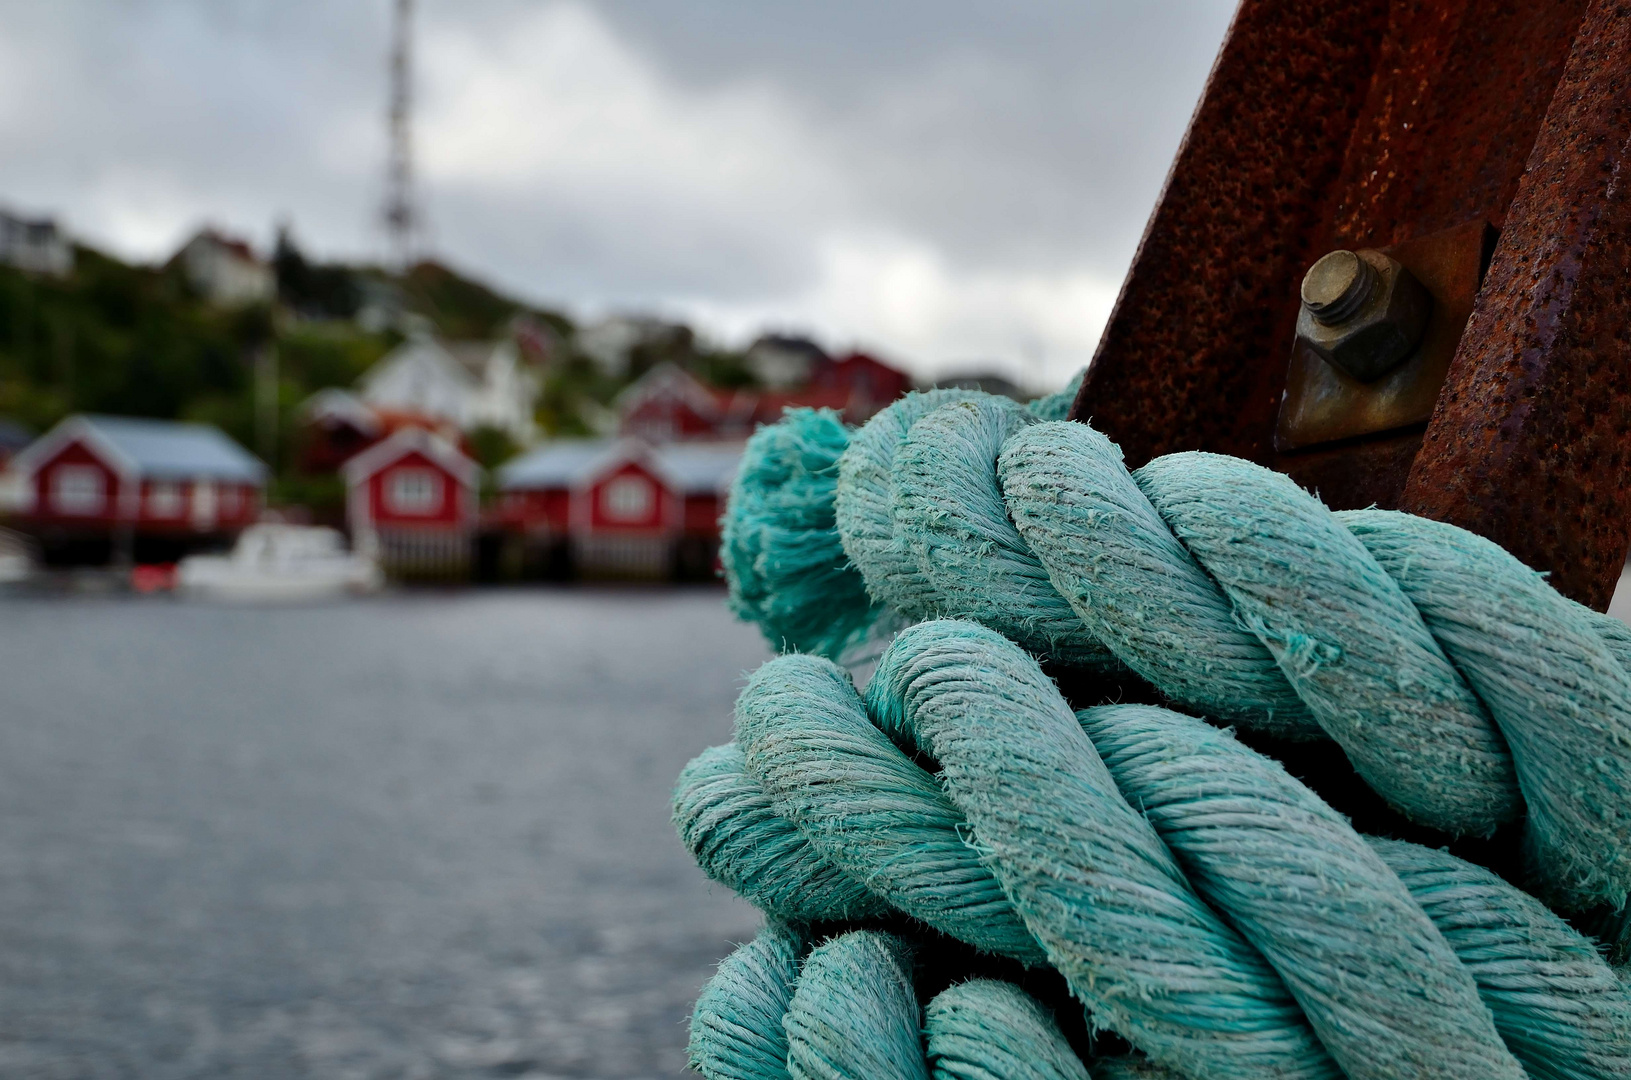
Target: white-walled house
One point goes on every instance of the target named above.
(471, 385)
(37, 245)
(225, 270)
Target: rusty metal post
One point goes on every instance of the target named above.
(1178, 366)
(1531, 442)
(1366, 124)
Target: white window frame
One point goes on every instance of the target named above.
(628, 498)
(414, 492)
(164, 499)
(78, 490)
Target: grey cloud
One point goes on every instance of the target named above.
(1026, 138)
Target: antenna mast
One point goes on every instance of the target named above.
(402, 218)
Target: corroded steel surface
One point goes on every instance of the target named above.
(1323, 405)
(1324, 125)
(1460, 90)
(1180, 360)
(1529, 444)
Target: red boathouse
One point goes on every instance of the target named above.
(96, 487)
(621, 507)
(411, 502)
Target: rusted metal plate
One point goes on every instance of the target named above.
(1323, 404)
(1328, 125)
(1529, 444)
(1179, 366)
(1364, 124)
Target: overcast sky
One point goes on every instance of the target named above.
(952, 183)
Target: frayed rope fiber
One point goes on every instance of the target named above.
(851, 1010)
(1199, 901)
(1463, 689)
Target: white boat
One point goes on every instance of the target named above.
(280, 562)
(16, 558)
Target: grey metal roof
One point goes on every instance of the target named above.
(556, 464)
(165, 448)
(692, 466)
(700, 467)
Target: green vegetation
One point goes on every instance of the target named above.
(137, 340)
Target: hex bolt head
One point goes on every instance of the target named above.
(1362, 312)
(1337, 286)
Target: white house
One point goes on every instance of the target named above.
(34, 244)
(468, 385)
(611, 342)
(225, 270)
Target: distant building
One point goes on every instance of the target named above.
(101, 482)
(620, 507)
(620, 344)
(668, 403)
(867, 384)
(335, 426)
(225, 270)
(783, 361)
(411, 503)
(35, 244)
(466, 384)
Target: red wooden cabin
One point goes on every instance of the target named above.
(411, 502)
(669, 404)
(94, 486)
(622, 507)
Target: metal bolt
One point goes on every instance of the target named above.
(1363, 313)
(1337, 286)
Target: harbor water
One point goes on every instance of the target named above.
(409, 837)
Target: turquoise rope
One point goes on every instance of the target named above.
(864, 508)
(983, 1029)
(1348, 640)
(1556, 1003)
(1382, 988)
(736, 835)
(860, 802)
(736, 1027)
(783, 560)
(852, 1012)
(1135, 587)
(1239, 595)
(1087, 872)
(854, 1015)
(1252, 841)
(949, 515)
(1560, 697)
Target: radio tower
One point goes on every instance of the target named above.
(401, 214)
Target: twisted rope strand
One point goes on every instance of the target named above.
(982, 1029)
(1350, 643)
(1086, 872)
(1274, 613)
(1135, 587)
(866, 807)
(1561, 698)
(949, 514)
(736, 835)
(736, 1027)
(854, 1015)
(1335, 923)
(857, 1009)
(1556, 1003)
(1382, 988)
